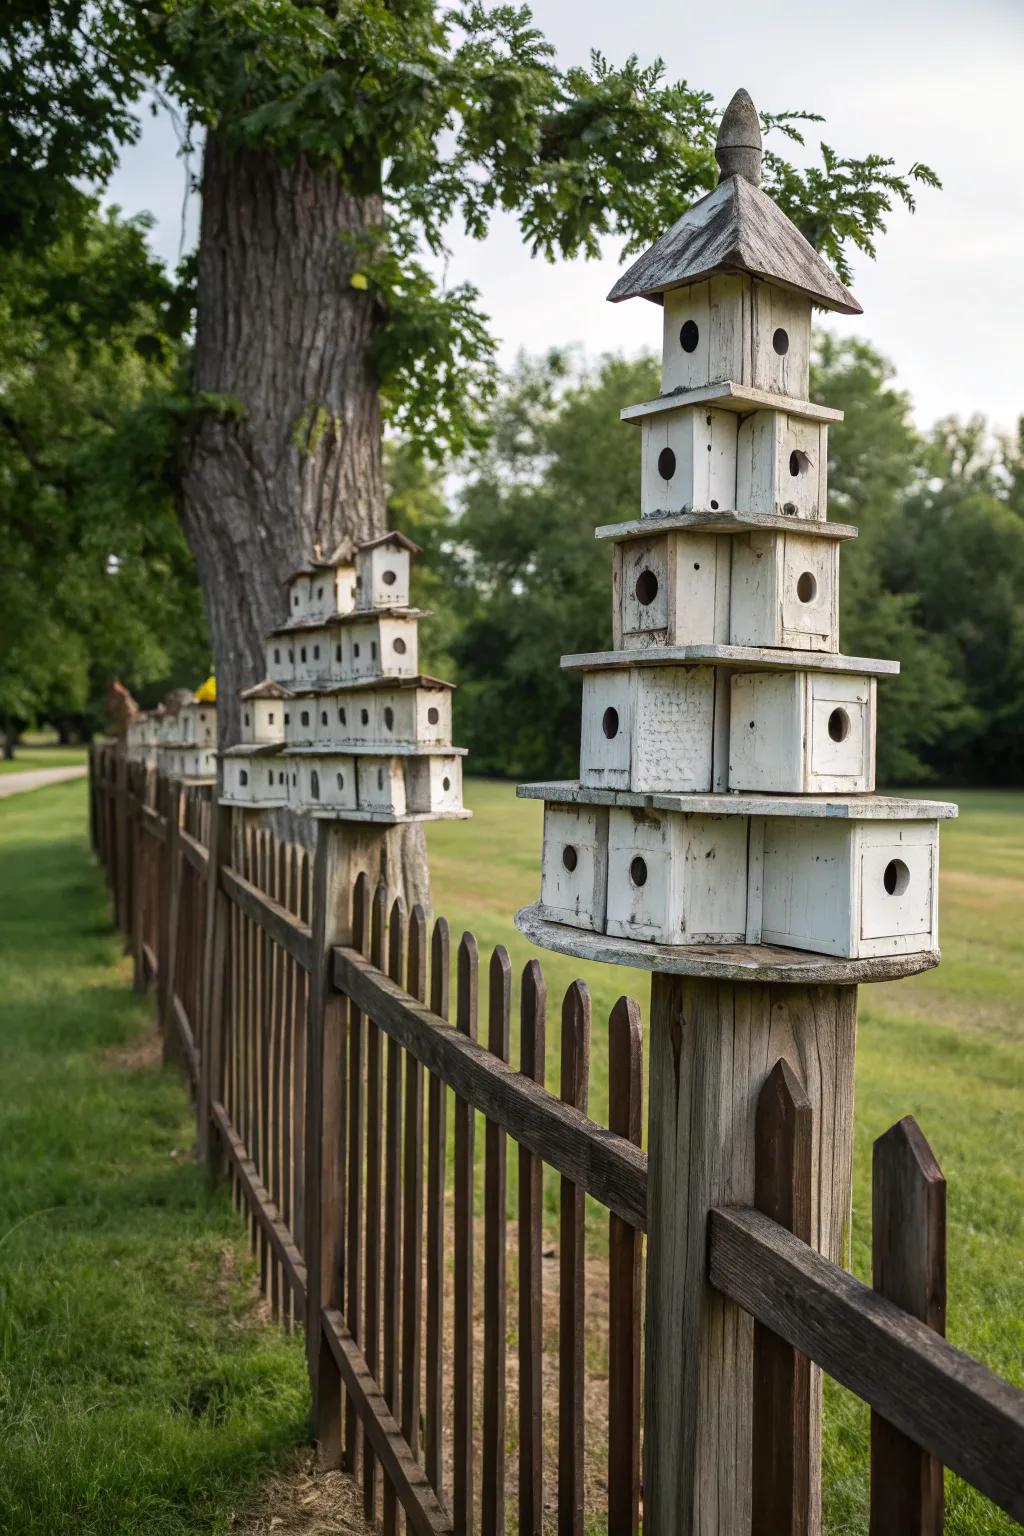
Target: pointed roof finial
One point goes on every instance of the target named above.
(738, 149)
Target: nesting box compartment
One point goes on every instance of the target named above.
(782, 466)
(802, 733)
(326, 783)
(383, 572)
(857, 889)
(263, 711)
(433, 785)
(784, 591)
(312, 651)
(689, 460)
(300, 720)
(280, 657)
(381, 785)
(380, 646)
(672, 589)
(332, 590)
(574, 865)
(740, 329)
(648, 729)
(677, 879)
(236, 788)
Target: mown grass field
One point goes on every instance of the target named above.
(141, 1393)
(140, 1389)
(945, 1047)
(43, 755)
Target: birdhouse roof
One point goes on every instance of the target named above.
(267, 689)
(398, 539)
(735, 228)
(342, 554)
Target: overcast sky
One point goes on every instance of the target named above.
(935, 80)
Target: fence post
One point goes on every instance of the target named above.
(169, 909)
(908, 1242)
(343, 852)
(140, 886)
(712, 1045)
(215, 981)
(122, 885)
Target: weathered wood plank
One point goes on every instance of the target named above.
(291, 933)
(575, 1079)
(425, 1513)
(532, 1020)
(436, 1149)
(194, 851)
(625, 1281)
(908, 1243)
(356, 1120)
(462, 1275)
(603, 1165)
(374, 1158)
(264, 1210)
(412, 1218)
(781, 1490)
(492, 1489)
(393, 1208)
(949, 1404)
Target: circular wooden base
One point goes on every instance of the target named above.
(722, 962)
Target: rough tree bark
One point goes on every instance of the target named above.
(280, 332)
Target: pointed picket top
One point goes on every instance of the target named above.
(738, 149)
(735, 228)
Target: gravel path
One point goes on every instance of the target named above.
(37, 778)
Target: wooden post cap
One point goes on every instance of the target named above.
(738, 149)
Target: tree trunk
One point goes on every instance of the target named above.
(289, 455)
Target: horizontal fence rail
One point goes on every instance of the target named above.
(359, 1080)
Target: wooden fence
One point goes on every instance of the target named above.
(314, 1024)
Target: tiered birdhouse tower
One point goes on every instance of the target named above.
(723, 832)
(345, 726)
(728, 747)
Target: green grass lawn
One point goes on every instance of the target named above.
(140, 1391)
(944, 1047)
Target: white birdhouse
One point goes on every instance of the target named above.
(802, 733)
(300, 714)
(279, 652)
(263, 709)
(676, 879)
(736, 327)
(850, 888)
(381, 785)
(574, 877)
(383, 571)
(784, 591)
(672, 589)
(433, 784)
(381, 645)
(417, 714)
(782, 465)
(648, 729)
(326, 783)
(254, 776)
(689, 460)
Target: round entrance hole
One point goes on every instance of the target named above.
(446, 784)
(638, 871)
(610, 722)
(806, 587)
(400, 646)
(666, 463)
(689, 336)
(570, 858)
(839, 725)
(780, 341)
(799, 463)
(433, 715)
(896, 877)
(388, 578)
(646, 588)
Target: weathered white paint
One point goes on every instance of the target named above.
(381, 785)
(802, 733)
(648, 730)
(433, 784)
(736, 328)
(263, 720)
(826, 886)
(279, 651)
(745, 658)
(380, 647)
(702, 442)
(832, 807)
(323, 782)
(574, 866)
(674, 590)
(300, 715)
(784, 592)
(332, 590)
(780, 341)
(782, 466)
(382, 576)
(677, 879)
(298, 589)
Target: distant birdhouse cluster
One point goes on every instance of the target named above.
(179, 737)
(728, 749)
(344, 725)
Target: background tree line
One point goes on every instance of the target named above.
(97, 580)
